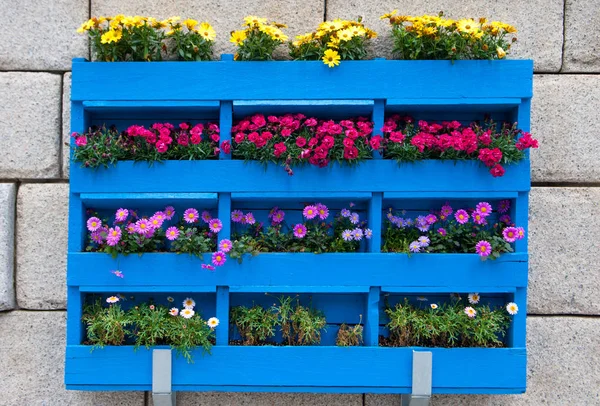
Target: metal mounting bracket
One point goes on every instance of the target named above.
(162, 395)
(421, 380)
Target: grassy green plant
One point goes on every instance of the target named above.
(256, 324)
(349, 335)
(105, 325)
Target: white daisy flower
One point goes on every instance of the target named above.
(422, 299)
(212, 322)
(474, 298)
(512, 308)
(187, 313)
(189, 303)
(112, 299)
(174, 311)
(170, 299)
(469, 311)
(434, 306)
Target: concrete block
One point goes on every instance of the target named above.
(582, 44)
(66, 124)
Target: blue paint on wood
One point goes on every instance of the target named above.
(371, 328)
(223, 315)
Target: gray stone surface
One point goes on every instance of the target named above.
(582, 43)
(40, 35)
(32, 356)
(539, 38)
(564, 246)
(66, 123)
(264, 399)
(564, 112)
(7, 244)
(42, 211)
(225, 16)
(563, 356)
(29, 124)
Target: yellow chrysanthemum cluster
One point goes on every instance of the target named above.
(254, 23)
(111, 28)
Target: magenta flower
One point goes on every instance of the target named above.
(510, 234)
(143, 227)
(161, 216)
(219, 258)
(97, 237)
(505, 218)
(479, 218)
(345, 213)
(206, 217)
(310, 212)
(131, 228)
(94, 223)
(520, 233)
(484, 208)
(237, 216)
(215, 225)
(461, 216)
(431, 219)
(299, 230)
(249, 217)
(169, 212)
(322, 210)
(190, 215)
(172, 233)
(447, 210)
(157, 221)
(278, 216)
(114, 236)
(442, 231)
(503, 206)
(483, 248)
(208, 266)
(225, 245)
(118, 274)
(122, 214)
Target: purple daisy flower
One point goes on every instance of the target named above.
(237, 216)
(484, 208)
(357, 233)
(219, 258)
(118, 274)
(390, 215)
(208, 266)
(408, 222)
(131, 228)
(161, 216)
(520, 233)
(169, 212)
(424, 241)
(483, 248)
(422, 224)
(354, 218)
(504, 206)
(94, 223)
(215, 225)
(461, 216)
(368, 233)
(431, 219)
(345, 213)
(190, 216)
(347, 235)
(157, 221)
(121, 214)
(479, 218)
(442, 231)
(114, 236)
(505, 218)
(447, 210)
(299, 230)
(172, 233)
(97, 237)
(510, 234)
(310, 212)
(206, 217)
(278, 216)
(322, 211)
(414, 246)
(249, 217)
(225, 245)
(143, 227)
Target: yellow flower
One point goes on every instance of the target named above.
(388, 15)
(329, 26)
(238, 37)
(477, 34)
(88, 25)
(278, 35)
(370, 33)
(173, 19)
(500, 52)
(331, 58)
(334, 42)
(468, 25)
(254, 21)
(190, 24)
(138, 21)
(278, 25)
(509, 28)
(344, 35)
(357, 31)
(173, 30)
(111, 36)
(207, 32)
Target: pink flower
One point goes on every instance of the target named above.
(172, 233)
(208, 266)
(81, 141)
(206, 217)
(510, 234)
(161, 147)
(300, 142)
(299, 230)
(215, 225)
(94, 223)
(122, 214)
(225, 245)
(190, 216)
(226, 147)
(461, 216)
(219, 258)
(280, 149)
(169, 212)
(118, 274)
(114, 236)
(310, 212)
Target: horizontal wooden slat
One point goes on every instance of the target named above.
(427, 271)
(303, 80)
(238, 176)
(494, 370)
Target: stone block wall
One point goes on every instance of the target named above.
(39, 40)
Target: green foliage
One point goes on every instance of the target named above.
(446, 326)
(349, 335)
(258, 40)
(256, 324)
(105, 325)
(194, 240)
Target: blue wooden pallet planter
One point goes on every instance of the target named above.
(225, 90)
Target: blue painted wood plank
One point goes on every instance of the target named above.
(223, 315)
(378, 118)
(302, 196)
(150, 201)
(371, 323)
(74, 313)
(237, 176)
(99, 105)
(324, 367)
(225, 215)
(237, 81)
(172, 271)
(129, 288)
(454, 288)
(225, 123)
(298, 289)
(451, 195)
(375, 222)
(518, 328)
